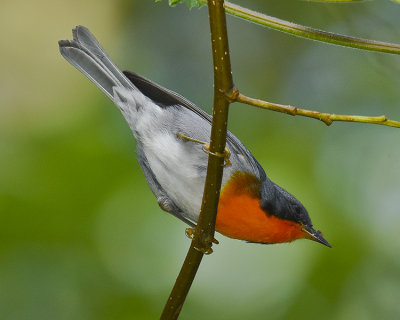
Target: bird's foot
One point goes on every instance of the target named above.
(190, 232)
(226, 155)
(162, 205)
(206, 148)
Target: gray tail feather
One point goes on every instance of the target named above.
(86, 54)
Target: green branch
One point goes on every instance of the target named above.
(204, 233)
(307, 32)
(327, 118)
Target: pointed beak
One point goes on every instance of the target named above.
(316, 236)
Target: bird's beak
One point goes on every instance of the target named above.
(315, 236)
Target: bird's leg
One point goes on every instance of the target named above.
(163, 206)
(166, 205)
(206, 148)
(182, 136)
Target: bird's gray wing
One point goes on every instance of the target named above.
(165, 97)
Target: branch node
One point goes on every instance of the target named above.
(231, 95)
(326, 119)
(383, 118)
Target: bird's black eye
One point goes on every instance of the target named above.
(268, 207)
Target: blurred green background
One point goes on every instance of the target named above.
(81, 235)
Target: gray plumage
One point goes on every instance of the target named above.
(155, 124)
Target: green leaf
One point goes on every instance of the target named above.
(333, 1)
(191, 3)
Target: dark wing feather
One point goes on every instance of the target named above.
(163, 96)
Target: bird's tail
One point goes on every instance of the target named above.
(86, 54)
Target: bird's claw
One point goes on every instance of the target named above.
(206, 251)
(206, 148)
(190, 232)
(162, 206)
(226, 155)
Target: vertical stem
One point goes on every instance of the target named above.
(222, 83)
(206, 224)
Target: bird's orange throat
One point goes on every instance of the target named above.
(241, 217)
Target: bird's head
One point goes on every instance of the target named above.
(278, 203)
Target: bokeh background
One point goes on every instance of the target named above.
(81, 235)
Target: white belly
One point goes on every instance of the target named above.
(174, 163)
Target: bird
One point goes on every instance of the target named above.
(171, 144)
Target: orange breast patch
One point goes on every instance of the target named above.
(241, 217)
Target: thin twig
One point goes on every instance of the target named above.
(327, 118)
(205, 229)
(307, 32)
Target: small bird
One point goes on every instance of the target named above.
(171, 134)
